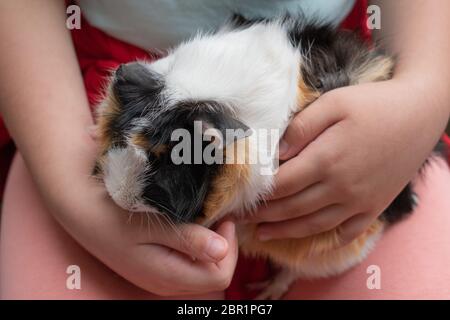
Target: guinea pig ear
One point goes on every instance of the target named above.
(135, 85)
(224, 127)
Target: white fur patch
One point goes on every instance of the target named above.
(255, 72)
(124, 171)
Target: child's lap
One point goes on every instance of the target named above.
(35, 252)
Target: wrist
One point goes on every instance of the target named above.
(427, 94)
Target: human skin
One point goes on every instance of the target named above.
(45, 108)
(352, 151)
(83, 209)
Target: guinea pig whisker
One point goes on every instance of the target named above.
(148, 224)
(141, 224)
(173, 226)
(130, 216)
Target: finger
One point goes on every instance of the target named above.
(310, 200)
(167, 272)
(179, 274)
(297, 174)
(355, 226)
(193, 240)
(315, 223)
(228, 264)
(207, 277)
(308, 125)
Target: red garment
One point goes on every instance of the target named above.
(98, 53)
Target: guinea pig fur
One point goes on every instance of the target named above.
(252, 77)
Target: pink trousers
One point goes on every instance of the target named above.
(412, 260)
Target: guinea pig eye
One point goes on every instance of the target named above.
(318, 83)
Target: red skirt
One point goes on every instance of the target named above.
(98, 53)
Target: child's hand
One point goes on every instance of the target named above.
(165, 260)
(359, 147)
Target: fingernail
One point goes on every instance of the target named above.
(283, 147)
(263, 236)
(216, 248)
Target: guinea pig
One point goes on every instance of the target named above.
(193, 136)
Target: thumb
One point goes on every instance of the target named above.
(197, 242)
(307, 126)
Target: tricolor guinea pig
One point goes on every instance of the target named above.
(228, 97)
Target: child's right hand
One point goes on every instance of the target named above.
(166, 260)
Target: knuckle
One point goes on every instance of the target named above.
(327, 160)
(348, 189)
(300, 128)
(283, 189)
(331, 99)
(187, 240)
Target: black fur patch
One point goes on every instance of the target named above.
(331, 57)
(180, 190)
(405, 202)
(137, 90)
(402, 205)
(238, 21)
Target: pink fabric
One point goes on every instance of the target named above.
(414, 255)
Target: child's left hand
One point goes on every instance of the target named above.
(359, 147)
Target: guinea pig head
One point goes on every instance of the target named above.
(166, 157)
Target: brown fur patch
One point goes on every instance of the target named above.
(378, 69)
(140, 141)
(229, 180)
(306, 95)
(159, 150)
(107, 112)
(322, 248)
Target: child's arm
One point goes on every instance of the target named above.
(361, 145)
(45, 108)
